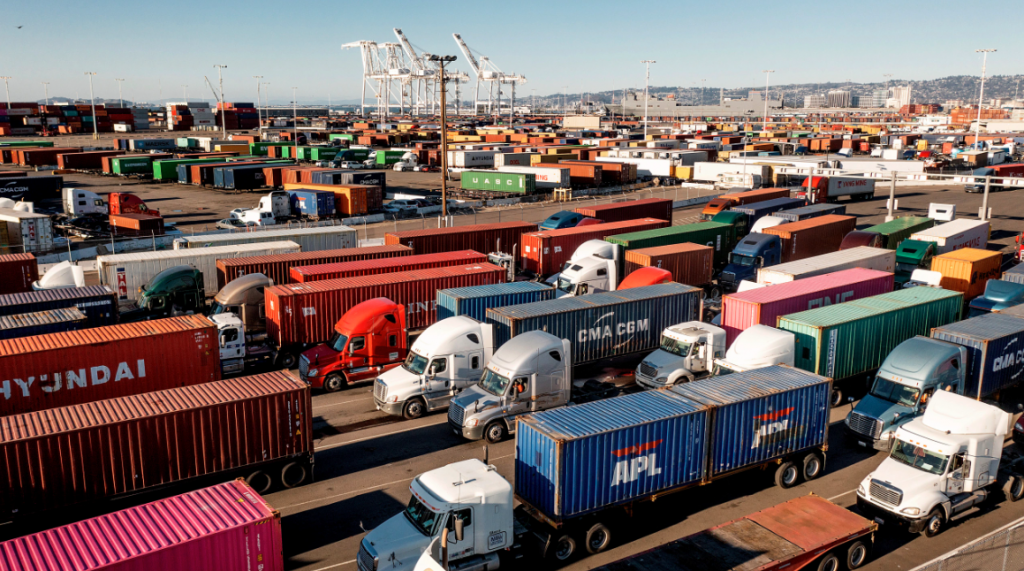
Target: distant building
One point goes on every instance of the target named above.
(878, 98)
(899, 96)
(814, 101)
(839, 98)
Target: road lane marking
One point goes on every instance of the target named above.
(336, 565)
(833, 498)
(332, 405)
(347, 442)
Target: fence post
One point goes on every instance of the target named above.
(984, 201)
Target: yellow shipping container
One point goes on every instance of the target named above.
(684, 173)
(968, 270)
(922, 145)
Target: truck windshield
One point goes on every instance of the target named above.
(741, 260)
(217, 308)
(422, 517)
(494, 383)
(913, 455)
(337, 342)
(681, 348)
(415, 364)
(894, 392)
(722, 370)
(565, 285)
(905, 267)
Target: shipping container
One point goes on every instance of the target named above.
(812, 237)
(312, 273)
(758, 210)
(611, 172)
(961, 233)
(368, 178)
(1014, 274)
(126, 273)
(899, 229)
(136, 225)
(848, 342)
(733, 199)
(41, 322)
(513, 183)
(994, 351)
(304, 314)
(690, 264)
(133, 164)
(474, 301)
(811, 211)
(106, 362)
(721, 237)
(226, 527)
(470, 159)
(278, 267)
(312, 203)
(629, 210)
(84, 160)
(603, 325)
(579, 460)
(256, 427)
(483, 238)
(512, 159)
(168, 169)
(581, 175)
(32, 188)
(17, 273)
(27, 231)
(967, 270)
(246, 177)
(546, 252)
(543, 178)
(763, 306)
(98, 303)
(867, 257)
(309, 239)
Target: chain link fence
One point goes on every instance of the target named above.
(1000, 551)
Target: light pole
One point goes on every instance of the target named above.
(295, 124)
(977, 128)
(46, 91)
(647, 82)
(95, 131)
(767, 75)
(441, 60)
(120, 97)
(259, 113)
(7, 87)
(223, 120)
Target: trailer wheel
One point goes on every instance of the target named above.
(495, 432)
(599, 537)
(857, 554)
(936, 520)
(564, 548)
(414, 409)
(787, 475)
(293, 475)
(836, 398)
(829, 562)
(1014, 488)
(260, 481)
(334, 383)
(812, 466)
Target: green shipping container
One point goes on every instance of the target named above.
(389, 157)
(499, 181)
(186, 142)
(345, 136)
(354, 154)
(721, 237)
(895, 231)
(848, 341)
(260, 149)
(168, 170)
(131, 165)
(323, 153)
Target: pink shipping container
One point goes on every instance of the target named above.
(544, 253)
(812, 237)
(659, 208)
(299, 315)
(17, 273)
(278, 267)
(764, 306)
(306, 274)
(484, 238)
(227, 527)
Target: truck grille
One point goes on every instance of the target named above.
(886, 493)
(365, 561)
(456, 414)
(648, 371)
(728, 278)
(865, 425)
(303, 368)
(380, 390)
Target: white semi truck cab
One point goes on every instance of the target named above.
(446, 358)
(688, 352)
(759, 346)
(941, 465)
(594, 267)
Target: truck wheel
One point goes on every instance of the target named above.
(293, 475)
(787, 475)
(933, 527)
(495, 432)
(414, 409)
(829, 562)
(599, 537)
(813, 466)
(563, 548)
(836, 398)
(286, 360)
(1014, 488)
(260, 481)
(334, 383)
(857, 554)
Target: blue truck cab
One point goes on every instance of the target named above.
(752, 252)
(999, 295)
(562, 219)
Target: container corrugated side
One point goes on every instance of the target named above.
(1014, 274)
(483, 238)
(880, 259)
(603, 325)
(18, 272)
(721, 237)
(278, 267)
(690, 264)
(659, 208)
(310, 239)
(817, 236)
(545, 252)
(305, 274)
(475, 301)
(98, 303)
(897, 230)
(41, 322)
(968, 270)
(93, 452)
(811, 211)
(995, 348)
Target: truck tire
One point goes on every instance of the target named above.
(413, 409)
(286, 360)
(836, 398)
(1014, 488)
(787, 475)
(598, 538)
(334, 383)
(293, 475)
(857, 554)
(495, 432)
(812, 467)
(260, 481)
(829, 562)
(935, 523)
(563, 548)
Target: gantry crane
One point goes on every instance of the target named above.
(383, 64)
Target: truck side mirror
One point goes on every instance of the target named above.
(459, 528)
(222, 341)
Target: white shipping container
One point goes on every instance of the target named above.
(545, 177)
(710, 171)
(513, 159)
(955, 235)
(310, 239)
(122, 128)
(879, 259)
(27, 231)
(645, 167)
(711, 145)
(470, 159)
(126, 273)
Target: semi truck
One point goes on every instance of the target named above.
(999, 295)
(961, 233)
(911, 256)
(726, 201)
(976, 358)
(819, 189)
(580, 470)
(753, 252)
(598, 266)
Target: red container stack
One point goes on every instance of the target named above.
(690, 264)
(306, 274)
(278, 267)
(41, 156)
(483, 238)
(659, 208)
(545, 252)
(17, 273)
(812, 237)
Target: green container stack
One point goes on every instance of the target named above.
(895, 231)
(131, 165)
(517, 183)
(389, 157)
(260, 149)
(344, 136)
(168, 170)
(721, 237)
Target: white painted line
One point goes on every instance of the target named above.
(972, 542)
(833, 498)
(347, 442)
(336, 565)
(316, 408)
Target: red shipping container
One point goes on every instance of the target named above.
(545, 252)
(136, 225)
(42, 156)
(88, 454)
(63, 369)
(659, 208)
(278, 267)
(812, 237)
(764, 306)
(582, 175)
(304, 314)
(306, 274)
(89, 160)
(13, 174)
(690, 264)
(483, 238)
(611, 173)
(227, 527)
(17, 273)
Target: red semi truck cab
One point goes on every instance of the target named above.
(646, 276)
(368, 340)
(127, 203)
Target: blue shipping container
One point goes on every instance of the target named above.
(576, 460)
(758, 210)
(153, 144)
(245, 177)
(995, 350)
(184, 174)
(603, 325)
(476, 300)
(319, 203)
(1014, 274)
(98, 303)
(812, 211)
(41, 322)
(327, 177)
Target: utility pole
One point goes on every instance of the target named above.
(441, 60)
(981, 97)
(95, 131)
(7, 87)
(46, 91)
(223, 119)
(259, 105)
(767, 75)
(647, 83)
(120, 97)
(295, 123)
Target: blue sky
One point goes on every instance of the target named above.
(589, 46)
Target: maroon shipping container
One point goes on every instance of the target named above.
(812, 237)
(17, 273)
(42, 156)
(611, 173)
(483, 238)
(581, 175)
(12, 174)
(304, 314)
(764, 306)
(545, 252)
(87, 160)
(306, 274)
(690, 264)
(136, 225)
(227, 527)
(278, 267)
(91, 453)
(62, 369)
(659, 208)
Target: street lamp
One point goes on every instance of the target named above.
(767, 75)
(977, 127)
(120, 97)
(95, 132)
(647, 82)
(259, 113)
(46, 91)
(441, 60)
(7, 88)
(223, 120)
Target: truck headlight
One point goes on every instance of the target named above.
(312, 372)
(861, 491)
(471, 422)
(661, 380)
(911, 511)
(393, 398)
(1018, 426)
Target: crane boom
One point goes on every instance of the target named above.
(467, 53)
(409, 51)
(215, 96)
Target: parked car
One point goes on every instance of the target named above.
(352, 165)
(233, 223)
(401, 207)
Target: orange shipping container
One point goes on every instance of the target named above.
(968, 270)
(690, 264)
(812, 237)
